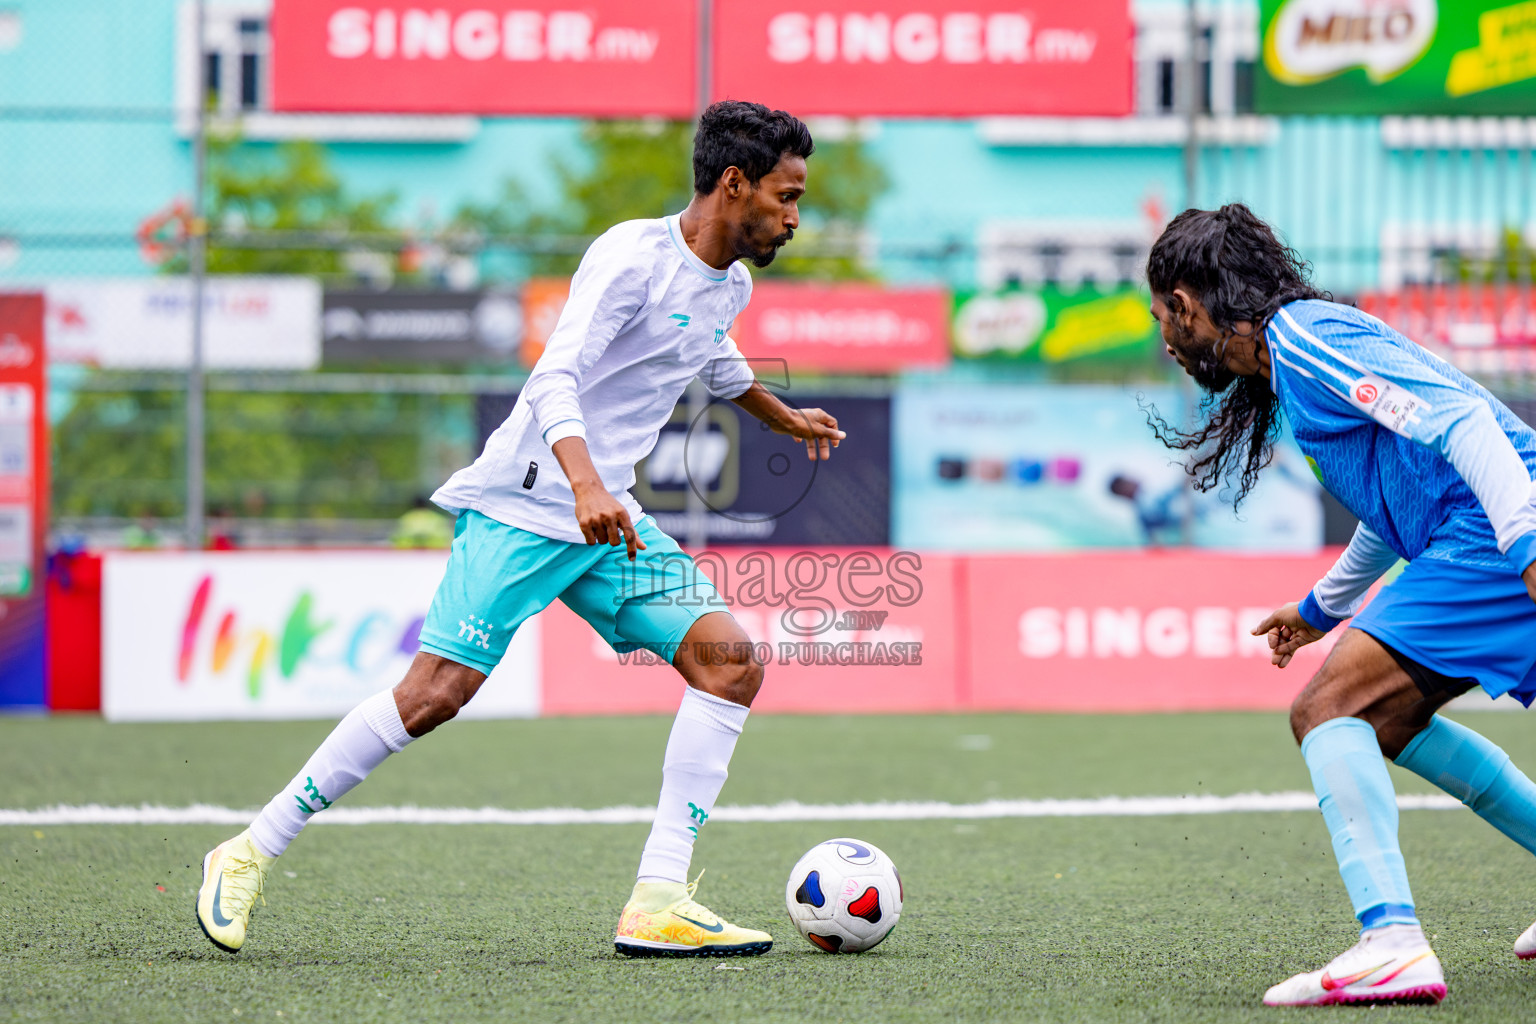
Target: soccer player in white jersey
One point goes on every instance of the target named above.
(546, 513)
(1439, 472)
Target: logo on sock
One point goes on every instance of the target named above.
(696, 813)
(469, 628)
(314, 794)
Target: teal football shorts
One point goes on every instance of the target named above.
(499, 575)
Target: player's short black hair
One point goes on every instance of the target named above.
(735, 133)
(1242, 273)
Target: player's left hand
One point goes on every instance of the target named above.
(815, 428)
(1288, 633)
(1530, 580)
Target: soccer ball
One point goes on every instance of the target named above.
(844, 895)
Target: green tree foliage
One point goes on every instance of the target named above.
(1514, 260)
(635, 169)
(283, 455)
(284, 210)
(366, 456)
(294, 455)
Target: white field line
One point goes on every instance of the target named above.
(1101, 807)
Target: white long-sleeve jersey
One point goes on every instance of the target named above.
(644, 318)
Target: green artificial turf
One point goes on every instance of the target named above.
(1094, 919)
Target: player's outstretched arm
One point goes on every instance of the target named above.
(815, 428)
(602, 519)
(1288, 633)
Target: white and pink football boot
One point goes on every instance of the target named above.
(1525, 945)
(1393, 964)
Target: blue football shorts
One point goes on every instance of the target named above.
(1461, 621)
(499, 575)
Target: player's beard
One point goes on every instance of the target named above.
(760, 255)
(1202, 359)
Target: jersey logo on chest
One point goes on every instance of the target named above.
(683, 320)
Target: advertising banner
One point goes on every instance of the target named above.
(604, 58)
(543, 302)
(1134, 632)
(462, 327)
(228, 635)
(1051, 325)
(838, 630)
(1459, 316)
(935, 58)
(979, 466)
(1397, 57)
(844, 328)
(23, 501)
(145, 323)
(759, 487)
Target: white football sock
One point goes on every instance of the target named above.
(698, 754)
(359, 744)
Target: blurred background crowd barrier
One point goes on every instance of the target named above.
(380, 204)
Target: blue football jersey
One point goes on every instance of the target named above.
(1404, 440)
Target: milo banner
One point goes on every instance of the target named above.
(1397, 57)
(1052, 325)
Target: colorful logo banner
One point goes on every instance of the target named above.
(276, 635)
(1397, 57)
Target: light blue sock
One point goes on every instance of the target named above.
(1355, 794)
(1478, 773)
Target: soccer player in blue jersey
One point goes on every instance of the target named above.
(1438, 472)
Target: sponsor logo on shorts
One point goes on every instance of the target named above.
(476, 631)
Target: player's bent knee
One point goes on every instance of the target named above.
(736, 680)
(434, 695)
(1302, 717)
(1330, 694)
(1311, 708)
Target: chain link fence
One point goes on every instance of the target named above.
(1425, 222)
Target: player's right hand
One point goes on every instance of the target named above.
(603, 520)
(1288, 633)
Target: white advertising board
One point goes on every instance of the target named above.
(249, 323)
(230, 635)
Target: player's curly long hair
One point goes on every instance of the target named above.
(1242, 273)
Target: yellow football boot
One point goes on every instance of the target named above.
(661, 919)
(233, 874)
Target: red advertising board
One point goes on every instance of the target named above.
(1133, 632)
(604, 58)
(1459, 316)
(917, 58)
(873, 630)
(23, 500)
(858, 328)
(838, 630)
(1080, 633)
